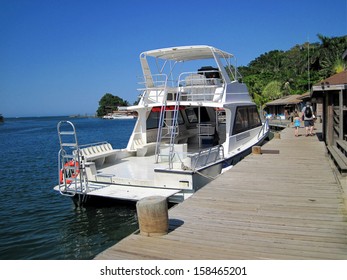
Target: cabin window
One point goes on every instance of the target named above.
(241, 120)
(154, 117)
(153, 120)
(204, 117)
(254, 118)
(180, 119)
(247, 117)
(193, 115)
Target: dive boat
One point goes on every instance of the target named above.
(195, 118)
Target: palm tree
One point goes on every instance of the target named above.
(330, 54)
(272, 91)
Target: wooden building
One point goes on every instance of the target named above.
(286, 105)
(333, 94)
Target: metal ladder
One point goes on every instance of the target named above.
(71, 168)
(168, 128)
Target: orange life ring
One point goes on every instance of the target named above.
(69, 173)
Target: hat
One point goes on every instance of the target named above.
(308, 103)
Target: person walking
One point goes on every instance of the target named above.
(307, 112)
(297, 122)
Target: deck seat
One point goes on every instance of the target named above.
(339, 158)
(184, 135)
(144, 149)
(99, 154)
(342, 145)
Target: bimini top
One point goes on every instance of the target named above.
(186, 53)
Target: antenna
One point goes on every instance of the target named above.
(308, 62)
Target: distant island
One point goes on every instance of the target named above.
(79, 116)
(110, 104)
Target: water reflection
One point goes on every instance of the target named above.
(91, 228)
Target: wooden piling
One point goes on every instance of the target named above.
(256, 150)
(152, 214)
(277, 135)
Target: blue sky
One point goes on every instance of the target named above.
(59, 57)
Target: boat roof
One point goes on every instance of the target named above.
(185, 53)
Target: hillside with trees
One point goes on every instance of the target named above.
(279, 73)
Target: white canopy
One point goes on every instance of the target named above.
(186, 53)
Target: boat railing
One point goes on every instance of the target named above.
(152, 81)
(200, 86)
(234, 73)
(207, 156)
(71, 171)
(154, 88)
(264, 129)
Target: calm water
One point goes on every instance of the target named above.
(38, 223)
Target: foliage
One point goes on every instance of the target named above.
(272, 91)
(109, 103)
(278, 73)
(339, 66)
(330, 53)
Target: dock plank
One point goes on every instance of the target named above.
(285, 205)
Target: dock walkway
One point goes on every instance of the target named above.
(283, 204)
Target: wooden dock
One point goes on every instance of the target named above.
(283, 204)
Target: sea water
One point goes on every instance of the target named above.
(36, 222)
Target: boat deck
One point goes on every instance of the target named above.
(141, 168)
(284, 204)
(132, 179)
(128, 193)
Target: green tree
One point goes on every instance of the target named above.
(255, 84)
(295, 69)
(272, 91)
(339, 66)
(109, 103)
(330, 54)
(259, 100)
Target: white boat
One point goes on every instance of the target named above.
(193, 121)
(118, 116)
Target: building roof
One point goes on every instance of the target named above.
(337, 79)
(286, 100)
(334, 82)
